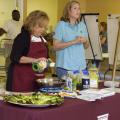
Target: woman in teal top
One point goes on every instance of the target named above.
(69, 40)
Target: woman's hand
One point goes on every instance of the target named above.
(83, 41)
(41, 59)
(80, 40)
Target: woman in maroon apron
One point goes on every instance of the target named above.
(29, 46)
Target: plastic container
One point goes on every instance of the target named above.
(76, 79)
(94, 76)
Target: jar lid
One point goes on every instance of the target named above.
(85, 72)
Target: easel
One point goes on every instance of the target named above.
(94, 54)
(114, 46)
(116, 56)
(112, 87)
(83, 16)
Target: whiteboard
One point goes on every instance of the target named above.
(91, 21)
(112, 33)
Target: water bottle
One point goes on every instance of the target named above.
(85, 79)
(75, 78)
(69, 84)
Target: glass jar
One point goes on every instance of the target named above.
(85, 79)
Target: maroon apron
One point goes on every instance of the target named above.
(23, 76)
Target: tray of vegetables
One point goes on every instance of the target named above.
(34, 99)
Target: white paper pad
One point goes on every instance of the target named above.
(94, 94)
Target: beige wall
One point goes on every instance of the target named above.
(83, 5)
(61, 4)
(54, 8)
(60, 7)
(5, 11)
(104, 7)
(49, 6)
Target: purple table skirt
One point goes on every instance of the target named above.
(71, 109)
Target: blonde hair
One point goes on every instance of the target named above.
(36, 17)
(66, 10)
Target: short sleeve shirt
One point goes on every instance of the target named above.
(73, 57)
(105, 45)
(12, 28)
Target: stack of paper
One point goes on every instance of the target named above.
(94, 94)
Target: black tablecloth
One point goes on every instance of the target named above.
(71, 109)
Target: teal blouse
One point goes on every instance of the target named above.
(73, 57)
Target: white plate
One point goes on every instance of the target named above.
(17, 93)
(29, 105)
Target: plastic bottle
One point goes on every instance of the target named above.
(69, 83)
(85, 79)
(68, 80)
(76, 78)
(94, 77)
